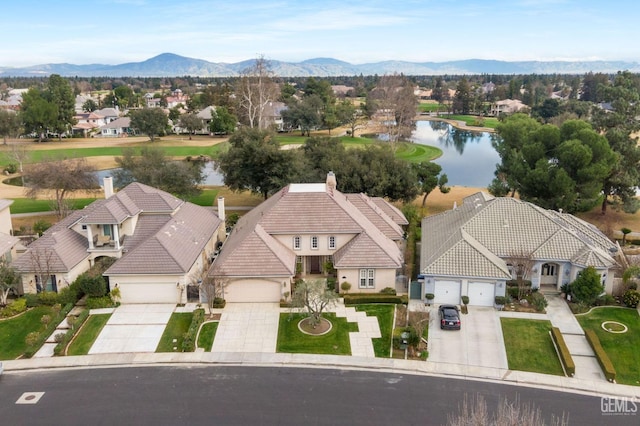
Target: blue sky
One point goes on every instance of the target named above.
(117, 31)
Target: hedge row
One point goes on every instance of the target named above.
(601, 356)
(189, 342)
(565, 355)
(48, 331)
(68, 336)
(364, 298)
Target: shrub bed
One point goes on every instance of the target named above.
(68, 336)
(189, 341)
(49, 329)
(16, 307)
(360, 298)
(602, 357)
(565, 355)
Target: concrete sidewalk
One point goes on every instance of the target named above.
(399, 366)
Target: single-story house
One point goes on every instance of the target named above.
(507, 106)
(476, 248)
(117, 128)
(311, 230)
(162, 245)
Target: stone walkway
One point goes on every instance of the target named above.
(368, 328)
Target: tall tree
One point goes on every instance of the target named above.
(191, 123)
(350, 115)
(59, 93)
(304, 114)
(620, 127)
(9, 124)
(255, 162)
(556, 168)
(223, 122)
(462, 97)
(255, 90)
(394, 97)
(61, 178)
(89, 105)
(153, 168)
(37, 114)
(429, 177)
(149, 121)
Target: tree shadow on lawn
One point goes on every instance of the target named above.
(335, 342)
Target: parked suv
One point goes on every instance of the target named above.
(449, 317)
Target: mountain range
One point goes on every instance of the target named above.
(172, 65)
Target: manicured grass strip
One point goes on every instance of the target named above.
(207, 334)
(529, 346)
(335, 342)
(88, 334)
(622, 349)
(14, 331)
(29, 205)
(206, 198)
(176, 328)
(472, 120)
(382, 345)
(417, 153)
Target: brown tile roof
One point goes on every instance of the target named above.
(392, 211)
(376, 215)
(251, 250)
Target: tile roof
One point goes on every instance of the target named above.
(251, 249)
(7, 242)
(502, 227)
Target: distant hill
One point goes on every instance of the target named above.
(170, 65)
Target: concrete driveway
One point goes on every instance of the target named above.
(133, 328)
(479, 342)
(248, 327)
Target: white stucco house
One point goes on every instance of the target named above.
(302, 228)
(8, 243)
(469, 250)
(162, 245)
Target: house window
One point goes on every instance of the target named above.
(367, 278)
(296, 243)
(106, 229)
(314, 243)
(548, 269)
(298, 264)
(48, 285)
(332, 242)
(84, 227)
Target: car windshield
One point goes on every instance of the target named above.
(450, 313)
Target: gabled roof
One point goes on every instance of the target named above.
(168, 243)
(169, 236)
(253, 250)
(118, 123)
(60, 247)
(498, 228)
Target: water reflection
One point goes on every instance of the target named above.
(468, 158)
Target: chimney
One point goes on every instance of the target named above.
(108, 187)
(222, 230)
(331, 181)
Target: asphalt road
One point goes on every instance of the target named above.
(219, 395)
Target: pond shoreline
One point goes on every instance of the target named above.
(456, 123)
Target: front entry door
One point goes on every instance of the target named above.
(314, 265)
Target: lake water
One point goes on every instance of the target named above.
(212, 177)
(468, 158)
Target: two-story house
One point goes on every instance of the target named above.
(309, 230)
(162, 245)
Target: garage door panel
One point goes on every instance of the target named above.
(481, 293)
(252, 291)
(447, 292)
(149, 293)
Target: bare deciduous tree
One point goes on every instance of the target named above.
(42, 264)
(255, 91)
(396, 100)
(315, 297)
(212, 287)
(18, 153)
(522, 262)
(61, 178)
(474, 411)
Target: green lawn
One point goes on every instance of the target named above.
(417, 153)
(29, 205)
(431, 107)
(88, 334)
(207, 334)
(382, 345)
(335, 342)
(13, 331)
(471, 120)
(622, 349)
(529, 346)
(177, 326)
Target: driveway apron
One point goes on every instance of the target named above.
(133, 328)
(479, 341)
(248, 327)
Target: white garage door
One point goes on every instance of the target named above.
(447, 292)
(481, 293)
(149, 293)
(252, 291)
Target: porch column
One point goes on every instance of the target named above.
(116, 236)
(90, 237)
